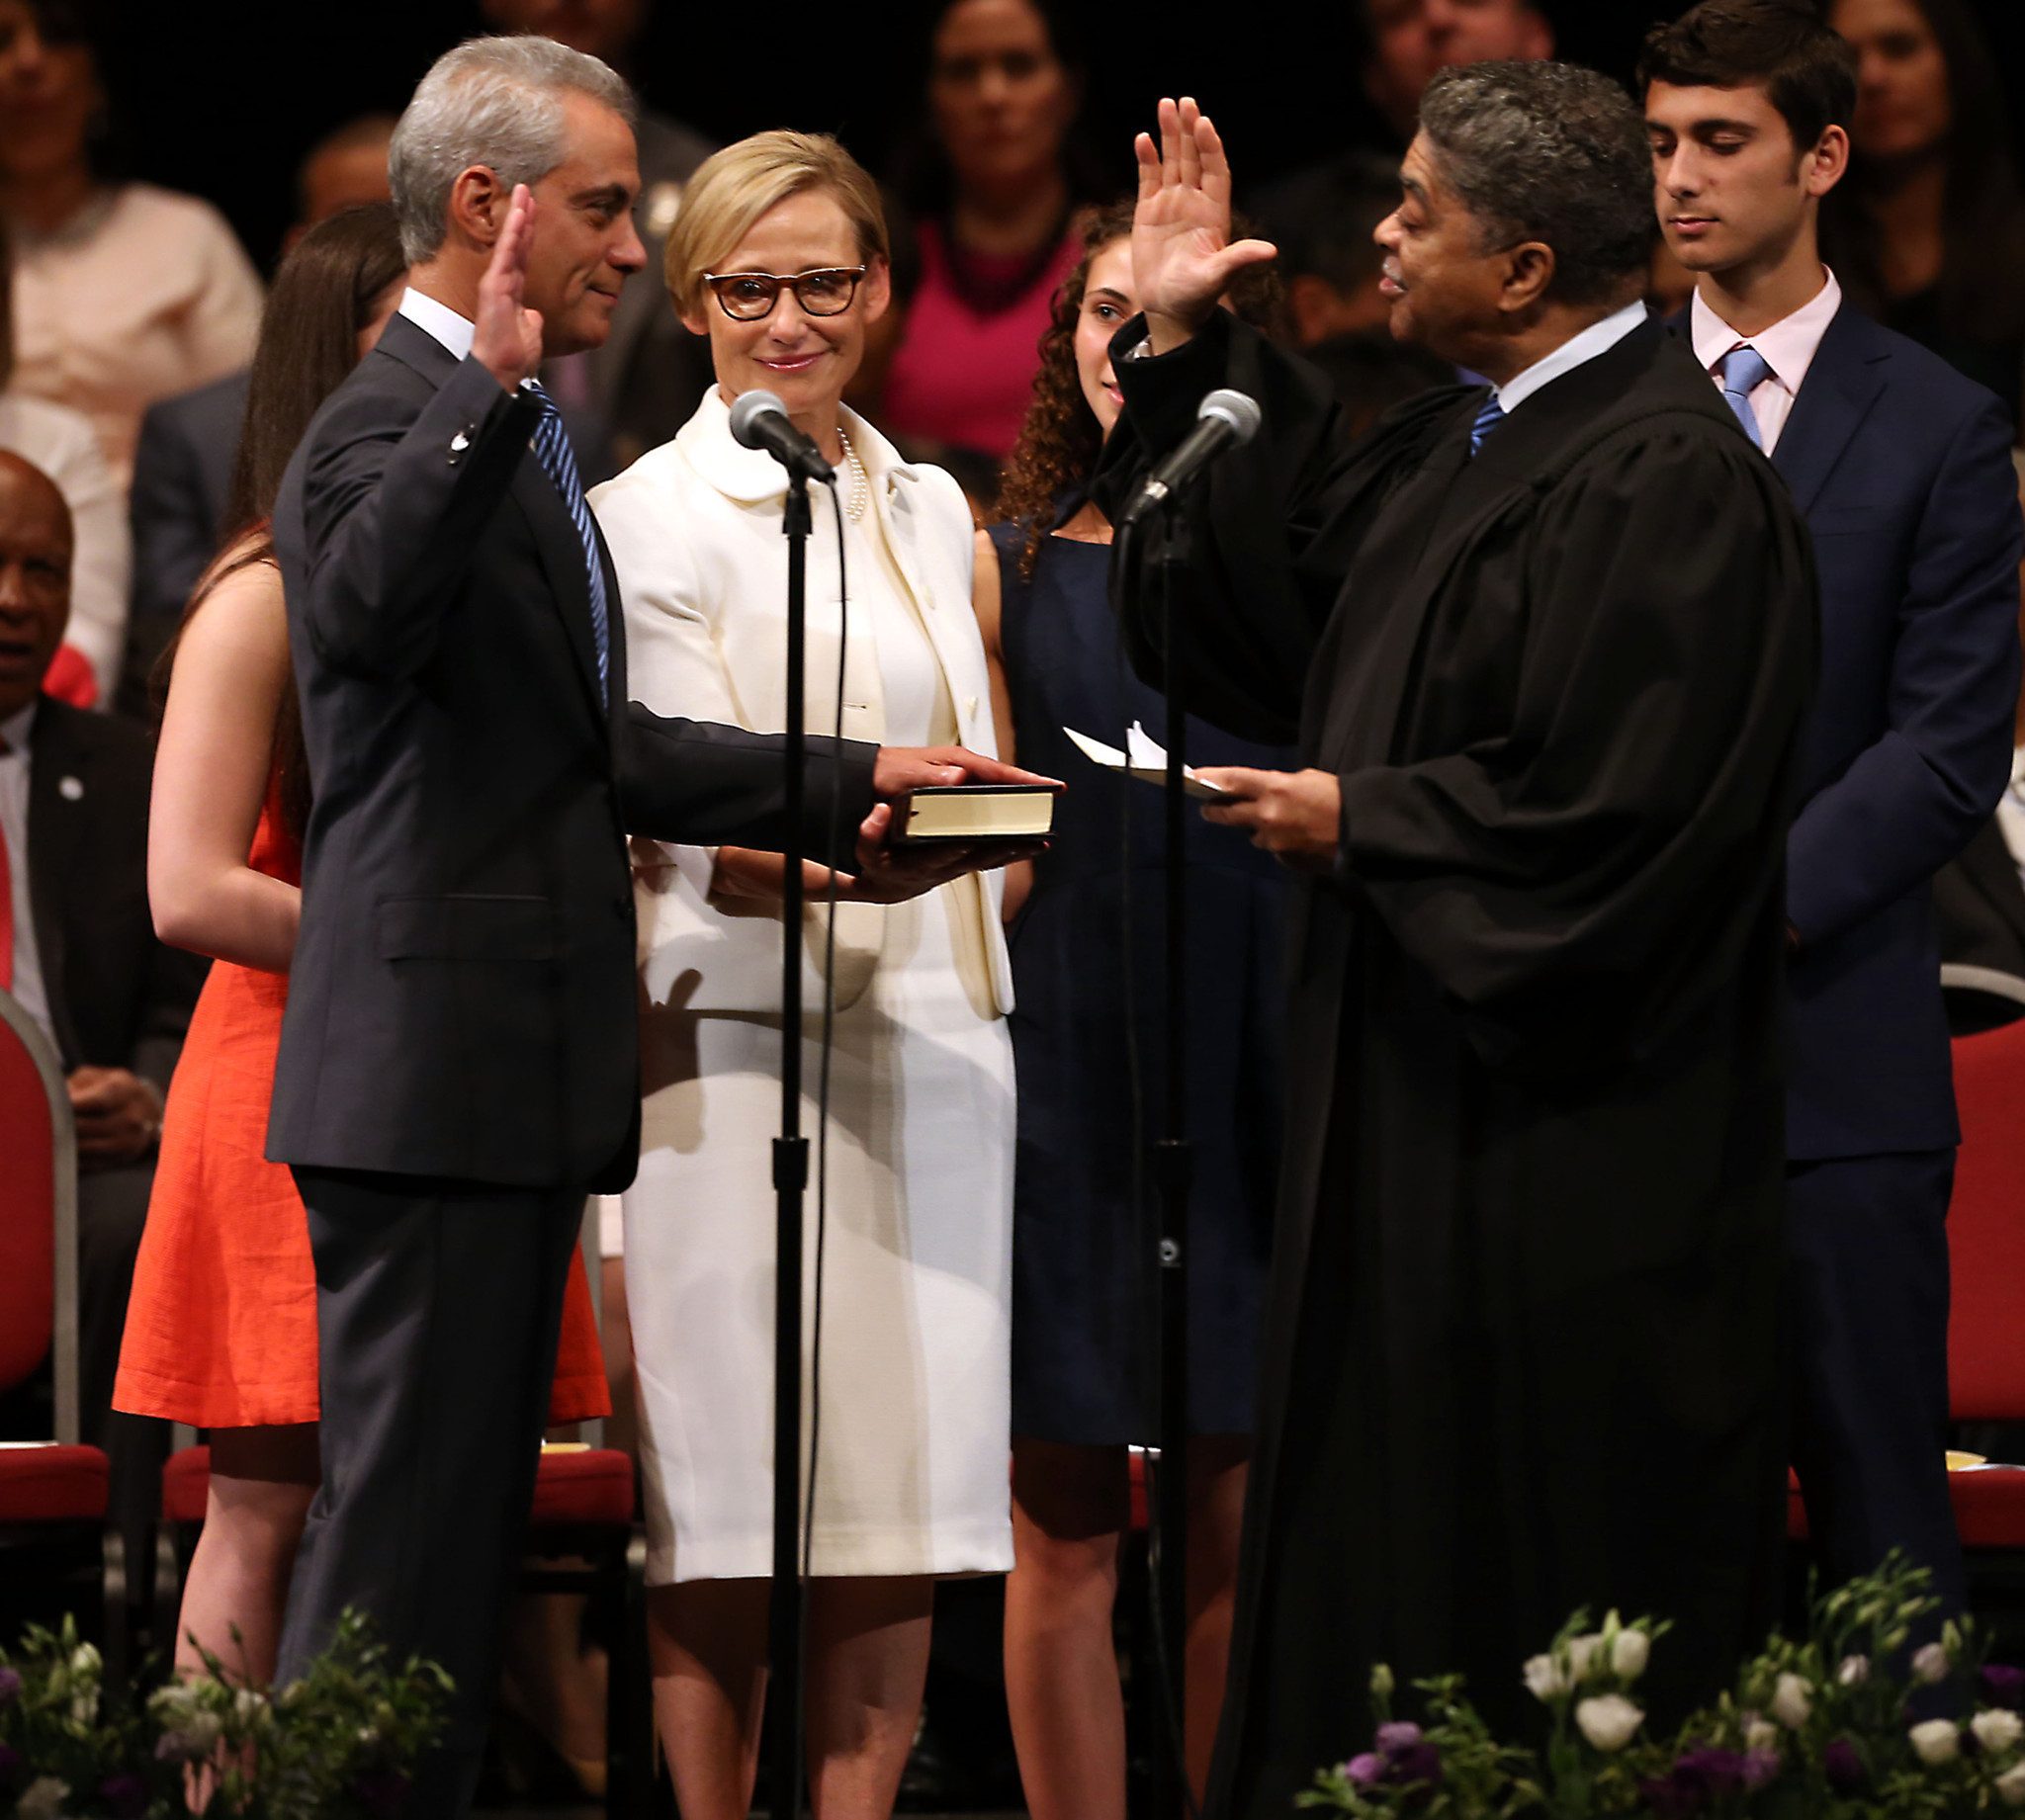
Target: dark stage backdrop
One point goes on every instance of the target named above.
(224, 96)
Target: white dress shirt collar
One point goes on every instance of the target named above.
(454, 331)
(1788, 347)
(1577, 350)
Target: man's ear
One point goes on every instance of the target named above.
(478, 205)
(1528, 273)
(1825, 166)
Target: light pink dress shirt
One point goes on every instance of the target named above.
(1788, 346)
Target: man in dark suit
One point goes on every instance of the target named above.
(1903, 471)
(460, 1060)
(78, 950)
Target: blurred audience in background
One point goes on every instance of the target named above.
(123, 292)
(1409, 39)
(1928, 233)
(1369, 373)
(182, 487)
(78, 952)
(62, 443)
(637, 390)
(992, 180)
(1322, 220)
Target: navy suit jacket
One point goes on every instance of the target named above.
(1903, 472)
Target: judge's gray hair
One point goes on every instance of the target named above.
(1550, 152)
(495, 102)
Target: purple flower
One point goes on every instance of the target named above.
(1844, 1767)
(125, 1795)
(1760, 1767)
(1365, 1770)
(2004, 1685)
(383, 1793)
(1718, 1773)
(1399, 1735)
(1419, 1763)
(10, 1686)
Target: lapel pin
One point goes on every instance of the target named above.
(70, 789)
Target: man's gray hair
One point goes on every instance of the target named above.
(495, 102)
(1550, 152)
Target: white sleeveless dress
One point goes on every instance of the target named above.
(913, 1391)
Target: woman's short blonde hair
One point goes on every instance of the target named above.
(733, 188)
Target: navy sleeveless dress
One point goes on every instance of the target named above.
(1087, 952)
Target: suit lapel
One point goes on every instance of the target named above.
(562, 554)
(58, 799)
(1843, 382)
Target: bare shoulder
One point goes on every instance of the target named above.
(243, 615)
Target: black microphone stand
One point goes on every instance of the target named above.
(785, 1613)
(1173, 1175)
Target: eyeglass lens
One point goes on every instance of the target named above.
(748, 295)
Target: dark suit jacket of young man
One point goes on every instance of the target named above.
(463, 999)
(182, 489)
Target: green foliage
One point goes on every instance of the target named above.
(1816, 1729)
(336, 1745)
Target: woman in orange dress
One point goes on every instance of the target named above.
(221, 1322)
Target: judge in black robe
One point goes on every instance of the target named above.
(1522, 1346)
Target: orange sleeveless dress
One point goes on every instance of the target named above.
(221, 1322)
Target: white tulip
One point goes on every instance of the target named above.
(2011, 1786)
(1583, 1654)
(1930, 1664)
(42, 1800)
(1544, 1677)
(1760, 1734)
(1854, 1671)
(1792, 1700)
(1998, 1728)
(1608, 1720)
(1630, 1652)
(1936, 1740)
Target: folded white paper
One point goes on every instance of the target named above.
(1144, 757)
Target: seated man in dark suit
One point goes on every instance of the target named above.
(1903, 471)
(459, 1063)
(78, 950)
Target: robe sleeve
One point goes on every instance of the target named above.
(1580, 884)
(1270, 530)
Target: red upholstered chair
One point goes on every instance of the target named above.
(1987, 1252)
(53, 1492)
(581, 1539)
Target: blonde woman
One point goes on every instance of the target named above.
(780, 257)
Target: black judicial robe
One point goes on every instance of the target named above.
(1522, 1341)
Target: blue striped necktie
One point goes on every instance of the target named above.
(1741, 371)
(1487, 420)
(559, 462)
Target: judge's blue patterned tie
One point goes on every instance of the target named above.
(1487, 420)
(1742, 370)
(559, 462)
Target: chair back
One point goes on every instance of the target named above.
(38, 1213)
(1987, 1230)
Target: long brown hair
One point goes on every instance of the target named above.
(323, 295)
(1061, 438)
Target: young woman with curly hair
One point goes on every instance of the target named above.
(1087, 957)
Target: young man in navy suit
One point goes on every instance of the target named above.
(1903, 470)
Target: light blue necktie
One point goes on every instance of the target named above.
(1742, 370)
(1487, 420)
(559, 462)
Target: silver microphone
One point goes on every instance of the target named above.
(760, 421)
(1227, 419)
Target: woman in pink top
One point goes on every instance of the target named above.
(994, 190)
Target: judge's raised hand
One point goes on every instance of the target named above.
(1183, 256)
(506, 337)
(1295, 816)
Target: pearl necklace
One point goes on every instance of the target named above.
(860, 495)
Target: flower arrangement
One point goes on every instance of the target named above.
(1825, 1728)
(335, 1745)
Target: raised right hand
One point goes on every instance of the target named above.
(506, 339)
(1183, 256)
